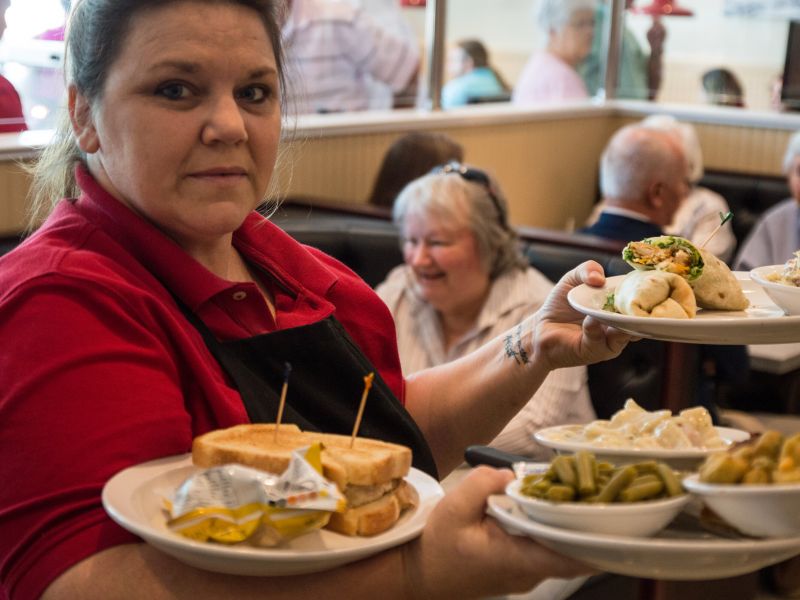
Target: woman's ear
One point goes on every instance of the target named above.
(80, 115)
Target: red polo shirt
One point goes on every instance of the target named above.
(99, 369)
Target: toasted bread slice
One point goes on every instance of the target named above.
(377, 516)
(368, 462)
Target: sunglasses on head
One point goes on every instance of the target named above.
(475, 176)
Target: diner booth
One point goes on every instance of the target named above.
(546, 158)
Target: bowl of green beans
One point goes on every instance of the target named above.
(581, 493)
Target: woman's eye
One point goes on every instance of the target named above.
(253, 93)
(174, 91)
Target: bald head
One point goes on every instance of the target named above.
(644, 170)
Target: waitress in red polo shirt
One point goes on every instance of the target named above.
(154, 304)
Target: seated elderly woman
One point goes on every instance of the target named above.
(551, 75)
(776, 236)
(465, 282)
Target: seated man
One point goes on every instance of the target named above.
(643, 182)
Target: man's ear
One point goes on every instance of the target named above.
(655, 194)
(80, 115)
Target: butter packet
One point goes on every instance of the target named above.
(233, 503)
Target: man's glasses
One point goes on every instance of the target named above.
(475, 176)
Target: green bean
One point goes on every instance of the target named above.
(565, 471)
(671, 483)
(649, 478)
(618, 482)
(646, 467)
(584, 466)
(560, 493)
(643, 491)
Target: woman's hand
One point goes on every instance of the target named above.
(463, 553)
(563, 337)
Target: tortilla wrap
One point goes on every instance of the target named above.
(714, 285)
(655, 294)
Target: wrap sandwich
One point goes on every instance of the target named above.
(655, 294)
(713, 283)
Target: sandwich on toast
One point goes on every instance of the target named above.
(370, 474)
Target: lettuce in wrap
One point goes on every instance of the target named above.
(713, 283)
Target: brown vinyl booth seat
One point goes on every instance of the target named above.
(654, 373)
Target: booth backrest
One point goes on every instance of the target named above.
(748, 196)
(370, 246)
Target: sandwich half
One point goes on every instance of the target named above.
(370, 474)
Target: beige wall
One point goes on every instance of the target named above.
(546, 168)
(545, 162)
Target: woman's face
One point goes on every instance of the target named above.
(573, 41)
(187, 127)
(793, 178)
(446, 264)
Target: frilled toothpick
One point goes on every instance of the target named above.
(367, 384)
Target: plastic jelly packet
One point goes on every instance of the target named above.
(233, 503)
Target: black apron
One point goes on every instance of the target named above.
(325, 385)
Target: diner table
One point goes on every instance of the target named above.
(779, 366)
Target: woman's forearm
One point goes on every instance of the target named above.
(141, 571)
(470, 400)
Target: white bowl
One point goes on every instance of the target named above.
(763, 510)
(785, 296)
(568, 439)
(629, 519)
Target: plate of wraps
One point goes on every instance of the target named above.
(680, 293)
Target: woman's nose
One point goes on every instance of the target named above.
(418, 255)
(225, 123)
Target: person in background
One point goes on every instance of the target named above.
(722, 87)
(643, 182)
(776, 236)
(12, 117)
(698, 215)
(336, 52)
(465, 282)
(472, 76)
(389, 15)
(550, 75)
(409, 157)
(640, 71)
(174, 305)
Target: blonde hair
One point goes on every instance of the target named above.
(453, 199)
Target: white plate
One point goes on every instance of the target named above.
(683, 458)
(683, 551)
(762, 323)
(133, 499)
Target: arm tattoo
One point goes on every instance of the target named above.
(514, 348)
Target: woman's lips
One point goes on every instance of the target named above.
(223, 175)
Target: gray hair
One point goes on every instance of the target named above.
(635, 157)
(792, 152)
(687, 136)
(453, 199)
(96, 34)
(554, 14)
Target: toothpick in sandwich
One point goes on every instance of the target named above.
(287, 369)
(367, 384)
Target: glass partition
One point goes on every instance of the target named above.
(715, 44)
(716, 56)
